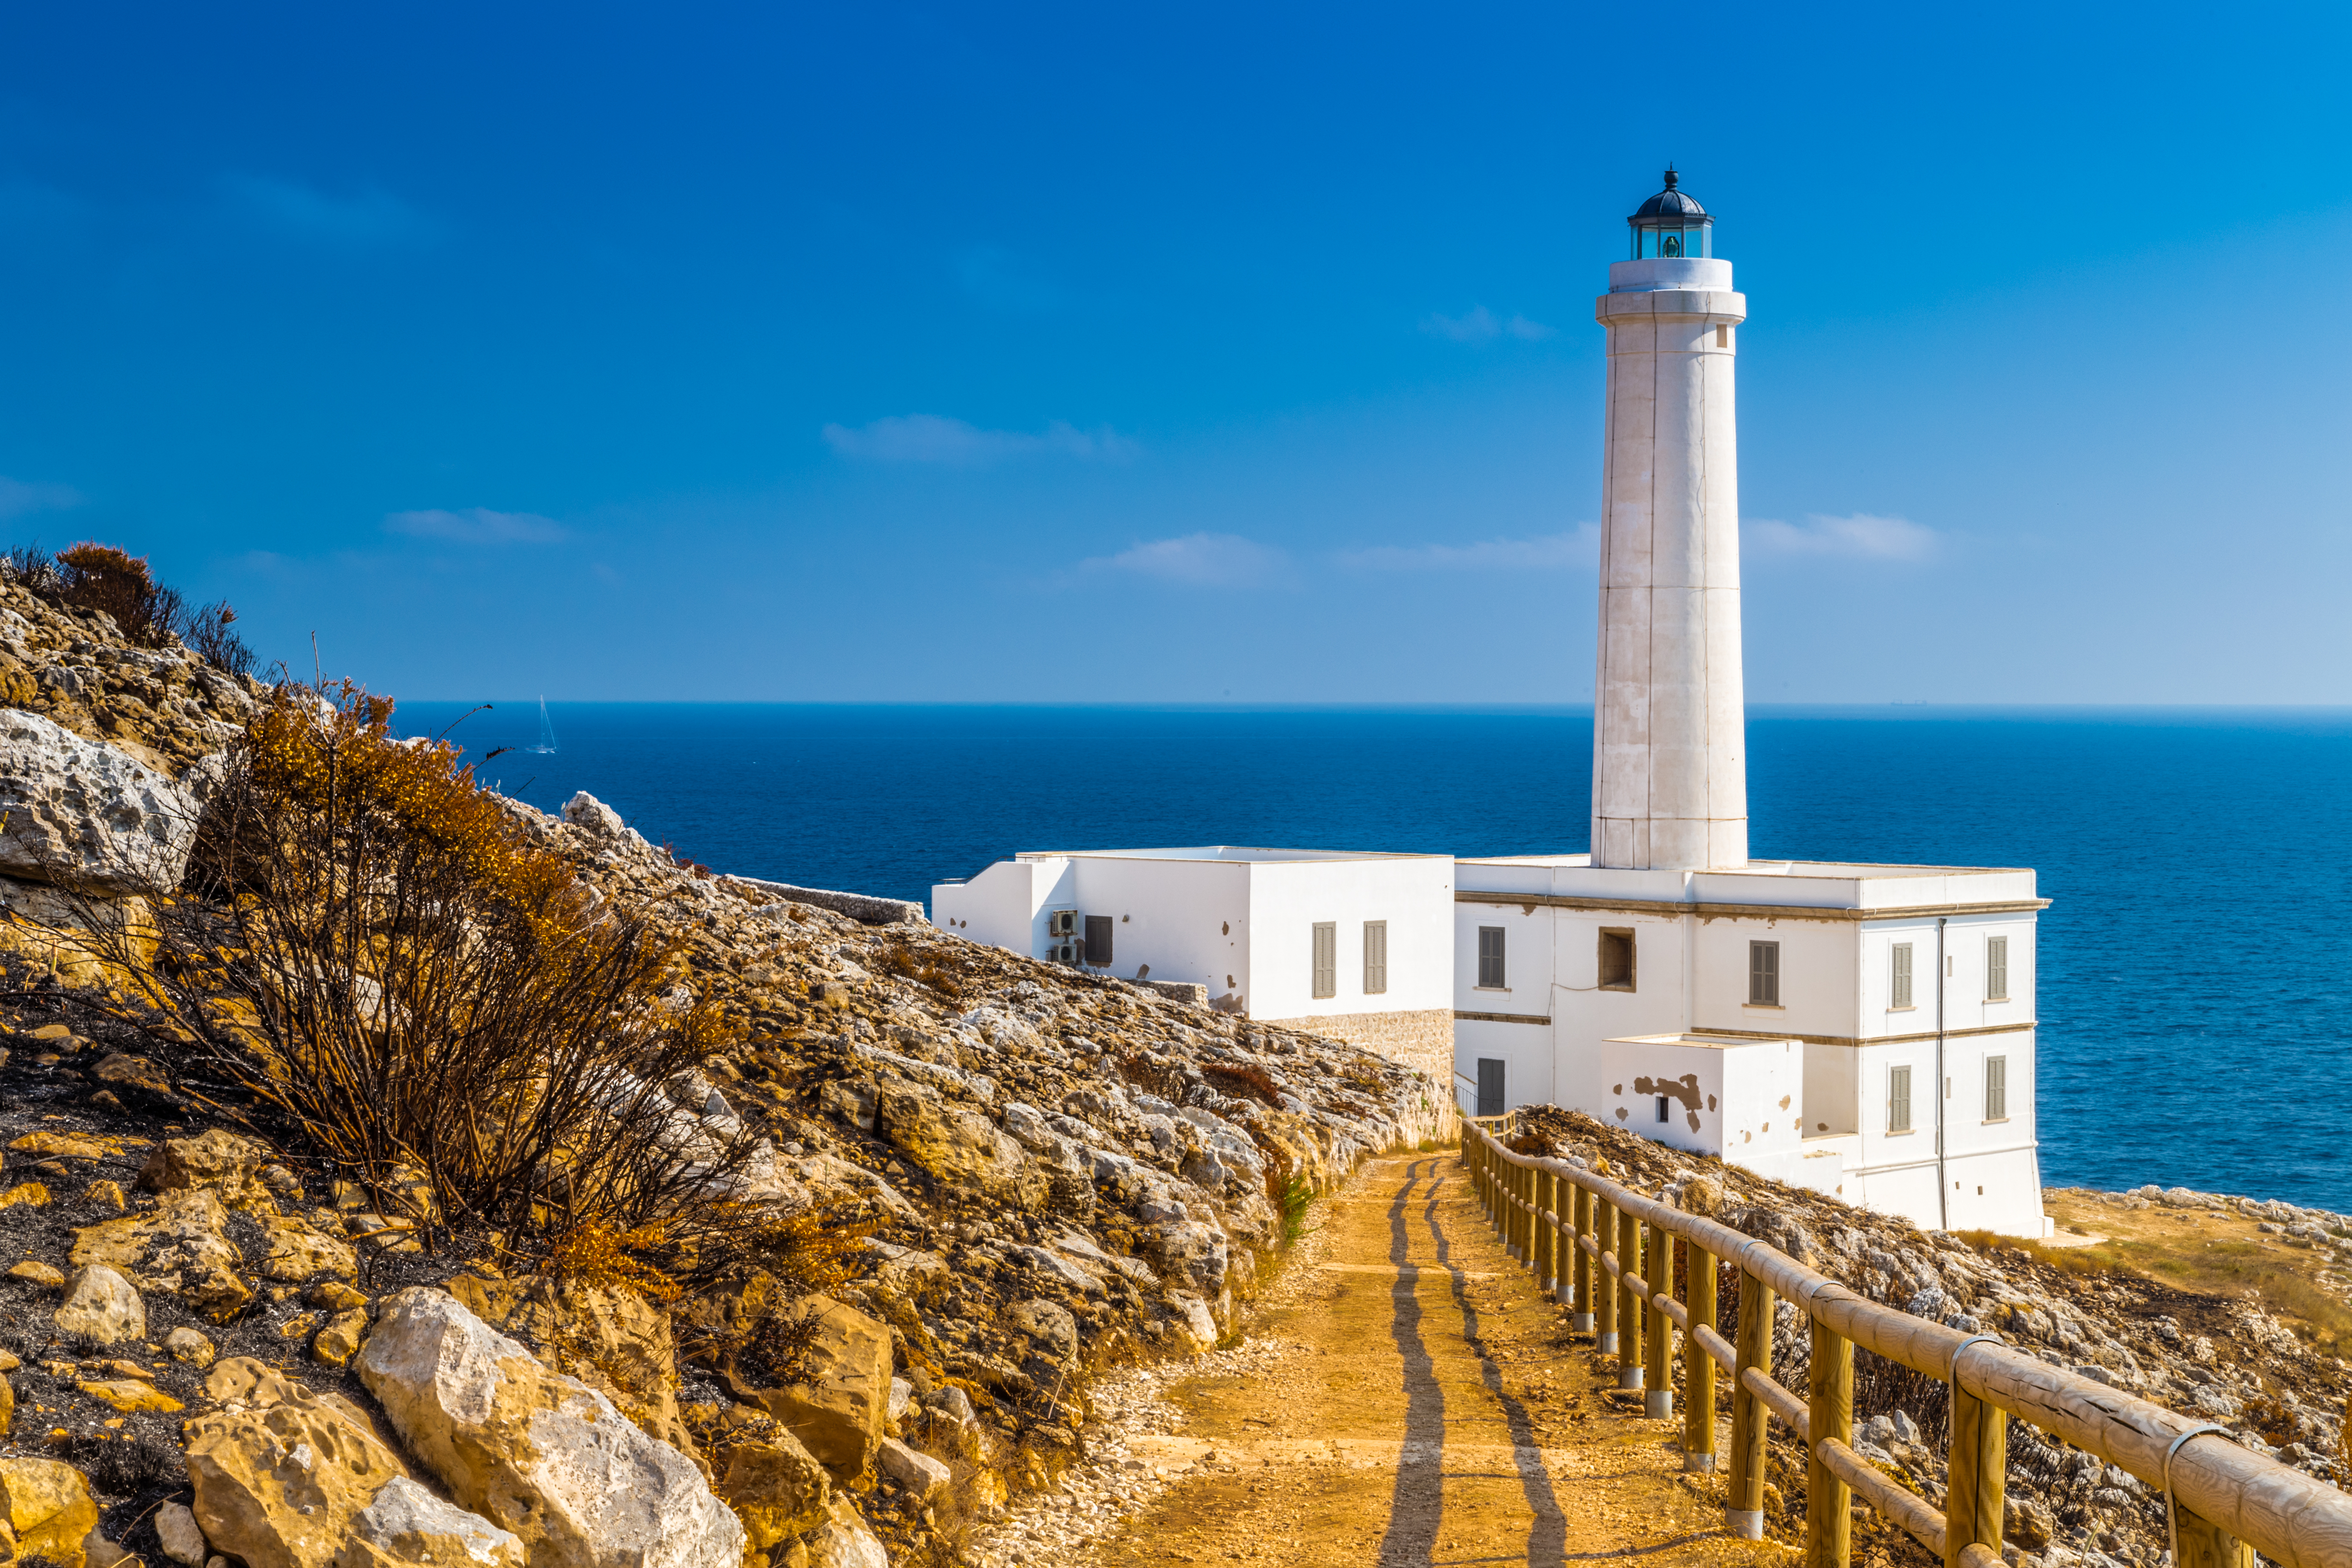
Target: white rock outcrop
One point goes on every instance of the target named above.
(101, 1308)
(88, 814)
(536, 1452)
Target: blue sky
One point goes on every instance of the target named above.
(1180, 354)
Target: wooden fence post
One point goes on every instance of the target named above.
(1629, 1299)
(1658, 1335)
(1523, 1183)
(1744, 1515)
(1604, 1289)
(1544, 1237)
(1581, 1315)
(1698, 1367)
(1980, 1460)
(1829, 1502)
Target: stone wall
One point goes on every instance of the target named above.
(1423, 1039)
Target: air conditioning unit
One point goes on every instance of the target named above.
(1062, 922)
(1070, 952)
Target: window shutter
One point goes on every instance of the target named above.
(1764, 973)
(1490, 957)
(1902, 987)
(1376, 957)
(1996, 1088)
(1898, 1100)
(1996, 969)
(1326, 959)
(1099, 934)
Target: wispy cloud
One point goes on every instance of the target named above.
(932, 438)
(1573, 550)
(1197, 559)
(366, 217)
(1480, 326)
(478, 525)
(18, 499)
(1860, 537)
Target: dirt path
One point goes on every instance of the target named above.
(1416, 1401)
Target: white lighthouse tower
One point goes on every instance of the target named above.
(1669, 762)
(1865, 1030)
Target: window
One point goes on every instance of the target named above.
(1326, 959)
(1616, 960)
(1901, 988)
(1490, 958)
(1722, 336)
(1996, 969)
(1996, 1088)
(1376, 957)
(1490, 1087)
(1764, 974)
(1662, 1113)
(1898, 1100)
(1099, 940)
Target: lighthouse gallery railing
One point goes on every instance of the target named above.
(1609, 1254)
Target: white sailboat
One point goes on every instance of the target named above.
(546, 747)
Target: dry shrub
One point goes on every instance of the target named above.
(1153, 1076)
(370, 948)
(93, 577)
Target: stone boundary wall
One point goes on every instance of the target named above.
(861, 907)
(1423, 1039)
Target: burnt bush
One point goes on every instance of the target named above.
(367, 946)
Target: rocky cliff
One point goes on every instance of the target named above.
(218, 1345)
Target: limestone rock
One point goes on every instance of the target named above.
(955, 1144)
(130, 1073)
(102, 1308)
(843, 1541)
(129, 1394)
(340, 1340)
(1190, 1251)
(839, 1410)
(227, 1163)
(407, 1523)
(299, 1250)
(280, 1473)
(88, 814)
(540, 1454)
(1048, 1325)
(916, 1472)
(183, 1537)
(7, 1408)
(49, 1510)
(615, 1342)
(26, 1195)
(188, 1345)
(181, 1245)
(772, 1481)
(37, 1272)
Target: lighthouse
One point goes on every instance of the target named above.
(1669, 760)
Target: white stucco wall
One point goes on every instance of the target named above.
(1414, 894)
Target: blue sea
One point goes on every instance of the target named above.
(2194, 986)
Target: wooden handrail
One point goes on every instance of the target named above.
(2231, 1501)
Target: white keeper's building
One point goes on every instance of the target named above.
(1866, 1031)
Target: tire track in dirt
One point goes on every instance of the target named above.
(1429, 1410)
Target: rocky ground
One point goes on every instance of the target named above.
(2231, 1357)
(1043, 1178)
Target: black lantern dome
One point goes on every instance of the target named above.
(1671, 224)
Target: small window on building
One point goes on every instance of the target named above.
(1764, 974)
(1722, 336)
(1491, 1101)
(1376, 958)
(1996, 969)
(1662, 1113)
(1490, 958)
(1900, 990)
(1996, 1088)
(1616, 960)
(1898, 1100)
(1326, 959)
(1099, 929)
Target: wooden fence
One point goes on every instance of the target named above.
(1609, 1254)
